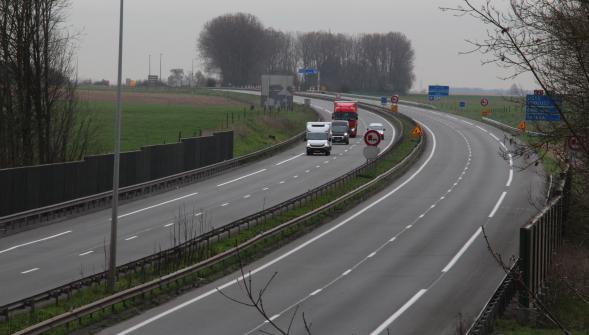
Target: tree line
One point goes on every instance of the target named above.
(240, 49)
(39, 122)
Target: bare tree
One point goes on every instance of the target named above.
(235, 45)
(548, 40)
(39, 119)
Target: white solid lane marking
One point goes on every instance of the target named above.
(371, 255)
(409, 226)
(295, 249)
(483, 129)
(157, 205)
(498, 204)
(86, 253)
(462, 250)
(274, 317)
(131, 238)
(468, 123)
(290, 159)
(315, 292)
(398, 313)
(36, 241)
(503, 145)
(29, 271)
(422, 216)
(242, 177)
(495, 137)
(169, 224)
(510, 178)
(393, 239)
(346, 273)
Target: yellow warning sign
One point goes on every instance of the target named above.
(394, 108)
(485, 112)
(522, 126)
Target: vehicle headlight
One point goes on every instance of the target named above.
(345, 134)
(353, 129)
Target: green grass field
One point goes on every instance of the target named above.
(163, 117)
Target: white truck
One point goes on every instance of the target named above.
(318, 138)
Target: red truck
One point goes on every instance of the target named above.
(347, 110)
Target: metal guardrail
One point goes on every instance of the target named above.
(498, 303)
(508, 128)
(203, 241)
(41, 216)
(370, 97)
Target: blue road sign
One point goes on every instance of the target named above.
(440, 91)
(308, 71)
(542, 108)
(383, 100)
(462, 104)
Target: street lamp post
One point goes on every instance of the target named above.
(161, 81)
(112, 271)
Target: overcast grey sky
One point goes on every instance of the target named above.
(171, 27)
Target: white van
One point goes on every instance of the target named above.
(318, 137)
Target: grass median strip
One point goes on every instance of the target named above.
(216, 246)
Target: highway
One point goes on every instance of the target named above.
(44, 258)
(412, 259)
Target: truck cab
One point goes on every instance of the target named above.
(347, 111)
(318, 137)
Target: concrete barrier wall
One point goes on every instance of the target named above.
(32, 187)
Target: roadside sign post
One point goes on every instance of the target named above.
(435, 92)
(372, 138)
(395, 99)
(383, 101)
(417, 132)
(542, 108)
(462, 104)
(370, 152)
(485, 111)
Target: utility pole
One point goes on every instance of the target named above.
(112, 271)
(149, 65)
(161, 67)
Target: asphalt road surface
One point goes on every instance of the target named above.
(37, 260)
(410, 260)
